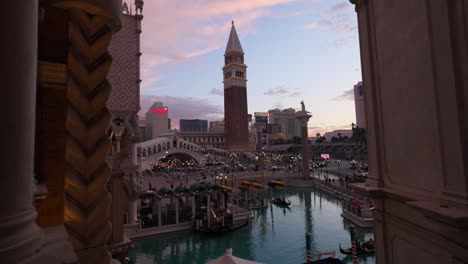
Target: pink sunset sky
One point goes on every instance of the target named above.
(294, 49)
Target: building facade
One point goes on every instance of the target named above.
(359, 105)
(193, 125)
(235, 95)
(204, 139)
(289, 125)
(216, 126)
(124, 77)
(415, 75)
(157, 121)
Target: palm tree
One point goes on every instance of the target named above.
(359, 136)
(318, 138)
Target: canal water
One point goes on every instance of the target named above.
(274, 235)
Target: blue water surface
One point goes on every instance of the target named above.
(274, 235)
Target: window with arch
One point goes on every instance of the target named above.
(240, 74)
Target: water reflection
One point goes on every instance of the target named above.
(275, 235)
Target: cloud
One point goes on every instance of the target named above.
(276, 91)
(312, 26)
(283, 91)
(296, 93)
(149, 83)
(340, 7)
(289, 14)
(183, 107)
(347, 95)
(322, 128)
(340, 18)
(177, 30)
(216, 91)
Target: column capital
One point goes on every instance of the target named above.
(358, 3)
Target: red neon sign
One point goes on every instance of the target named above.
(160, 111)
(270, 114)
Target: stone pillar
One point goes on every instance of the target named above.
(90, 28)
(117, 207)
(208, 209)
(303, 117)
(20, 236)
(177, 211)
(193, 207)
(159, 213)
(134, 154)
(259, 147)
(132, 211)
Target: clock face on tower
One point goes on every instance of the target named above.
(238, 59)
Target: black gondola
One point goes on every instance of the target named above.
(281, 203)
(360, 251)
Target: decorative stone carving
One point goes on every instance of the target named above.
(86, 199)
(139, 7)
(125, 8)
(132, 184)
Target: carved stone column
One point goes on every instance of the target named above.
(86, 197)
(208, 209)
(132, 211)
(177, 211)
(133, 154)
(193, 207)
(159, 213)
(304, 117)
(117, 206)
(20, 236)
(259, 146)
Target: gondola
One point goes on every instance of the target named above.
(281, 203)
(359, 251)
(276, 183)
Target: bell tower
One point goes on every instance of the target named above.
(235, 95)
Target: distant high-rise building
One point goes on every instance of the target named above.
(157, 121)
(193, 125)
(217, 126)
(262, 118)
(274, 129)
(290, 126)
(235, 95)
(359, 104)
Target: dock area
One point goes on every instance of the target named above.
(355, 209)
(241, 218)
